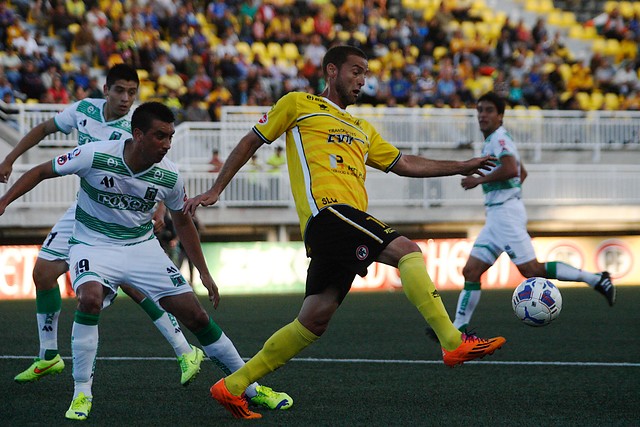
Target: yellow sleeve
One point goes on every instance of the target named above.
(382, 154)
(281, 117)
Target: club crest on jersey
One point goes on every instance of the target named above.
(115, 136)
(362, 252)
(151, 193)
(264, 119)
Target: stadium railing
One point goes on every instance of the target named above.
(548, 186)
(414, 130)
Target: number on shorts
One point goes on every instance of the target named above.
(82, 266)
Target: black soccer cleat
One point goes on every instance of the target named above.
(605, 287)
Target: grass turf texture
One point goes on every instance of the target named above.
(375, 366)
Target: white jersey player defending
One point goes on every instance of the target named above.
(95, 120)
(505, 229)
(113, 243)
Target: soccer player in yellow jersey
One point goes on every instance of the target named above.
(327, 153)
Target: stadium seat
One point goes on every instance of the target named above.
(290, 51)
(274, 50)
(439, 52)
(584, 100)
(597, 100)
(611, 101)
(245, 49)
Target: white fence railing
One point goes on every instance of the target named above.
(553, 185)
(412, 129)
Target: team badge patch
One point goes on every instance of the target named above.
(362, 252)
(264, 119)
(151, 193)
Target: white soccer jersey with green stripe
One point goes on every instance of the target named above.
(500, 144)
(115, 206)
(88, 117)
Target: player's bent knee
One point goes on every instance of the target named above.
(45, 273)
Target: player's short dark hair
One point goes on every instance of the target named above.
(122, 72)
(146, 113)
(338, 55)
(495, 99)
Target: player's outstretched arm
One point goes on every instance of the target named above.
(26, 183)
(240, 155)
(422, 167)
(188, 235)
(31, 139)
(508, 169)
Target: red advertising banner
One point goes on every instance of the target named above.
(264, 267)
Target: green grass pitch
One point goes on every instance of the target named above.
(373, 367)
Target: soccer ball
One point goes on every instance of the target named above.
(536, 301)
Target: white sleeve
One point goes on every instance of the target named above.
(78, 161)
(177, 196)
(66, 120)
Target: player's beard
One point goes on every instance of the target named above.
(345, 96)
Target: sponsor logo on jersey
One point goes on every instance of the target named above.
(264, 119)
(61, 160)
(125, 202)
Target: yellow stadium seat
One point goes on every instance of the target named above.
(565, 71)
(610, 5)
(577, 31)
(590, 33)
(611, 101)
(599, 45)
(274, 49)
(555, 18)
(597, 100)
(584, 100)
(244, 48)
(568, 19)
(290, 51)
(612, 48)
(360, 36)
(259, 48)
(626, 9)
(439, 52)
(147, 90)
(142, 74)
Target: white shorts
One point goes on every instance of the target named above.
(56, 245)
(145, 266)
(505, 230)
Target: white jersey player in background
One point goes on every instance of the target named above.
(95, 120)
(505, 228)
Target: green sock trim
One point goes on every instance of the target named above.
(471, 286)
(50, 354)
(151, 309)
(48, 301)
(552, 269)
(209, 334)
(86, 318)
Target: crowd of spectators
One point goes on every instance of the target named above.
(190, 55)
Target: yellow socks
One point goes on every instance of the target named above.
(285, 343)
(422, 293)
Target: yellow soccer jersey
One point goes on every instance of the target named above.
(327, 150)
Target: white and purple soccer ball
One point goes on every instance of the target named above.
(536, 301)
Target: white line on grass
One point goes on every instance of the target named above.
(385, 361)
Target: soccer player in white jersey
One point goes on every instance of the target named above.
(95, 120)
(505, 228)
(113, 243)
